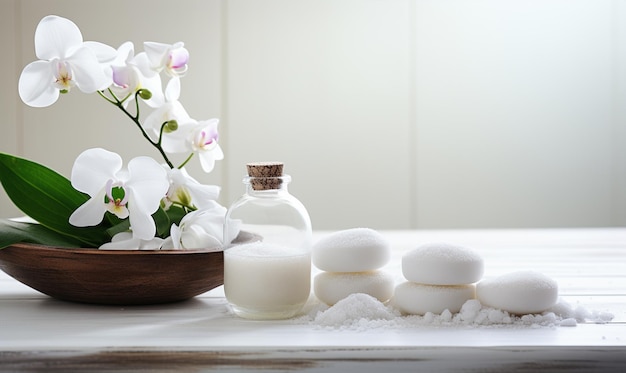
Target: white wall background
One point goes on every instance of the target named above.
(388, 114)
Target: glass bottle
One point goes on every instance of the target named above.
(267, 266)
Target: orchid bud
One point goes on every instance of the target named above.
(145, 94)
(171, 126)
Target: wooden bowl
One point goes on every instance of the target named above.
(119, 277)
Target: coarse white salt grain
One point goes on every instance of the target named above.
(470, 309)
(601, 317)
(568, 322)
(355, 311)
(360, 312)
(496, 316)
(580, 313)
(446, 316)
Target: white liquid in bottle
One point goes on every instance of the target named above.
(265, 281)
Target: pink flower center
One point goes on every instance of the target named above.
(177, 61)
(206, 140)
(63, 76)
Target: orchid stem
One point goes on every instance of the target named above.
(186, 161)
(187, 208)
(135, 118)
(137, 108)
(106, 98)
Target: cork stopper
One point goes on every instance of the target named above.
(265, 175)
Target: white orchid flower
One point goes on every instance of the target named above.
(126, 241)
(203, 139)
(200, 229)
(125, 78)
(129, 75)
(65, 61)
(187, 191)
(172, 58)
(172, 109)
(135, 193)
(199, 137)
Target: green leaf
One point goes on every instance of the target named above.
(163, 223)
(47, 197)
(13, 232)
(122, 226)
(176, 214)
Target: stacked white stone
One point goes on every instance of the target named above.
(521, 292)
(439, 277)
(351, 262)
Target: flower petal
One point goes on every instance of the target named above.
(91, 212)
(168, 111)
(179, 58)
(173, 58)
(153, 244)
(126, 241)
(148, 179)
(207, 159)
(177, 141)
(121, 241)
(141, 221)
(55, 37)
(147, 185)
(172, 91)
(35, 85)
(144, 64)
(93, 168)
(203, 229)
(89, 74)
(212, 219)
(195, 237)
(175, 233)
(168, 244)
(124, 53)
(153, 84)
(125, 81)
(157, 53)
(149, 80)
(104, 53)
(202, 195)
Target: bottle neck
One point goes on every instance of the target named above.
(263, 186)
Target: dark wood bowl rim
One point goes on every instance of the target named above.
(96, 251)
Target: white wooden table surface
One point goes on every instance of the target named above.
(38, 333)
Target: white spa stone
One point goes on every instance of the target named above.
(442, 264)
(331, 287)
(418, 299)
(351, 250)
(523, 292)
